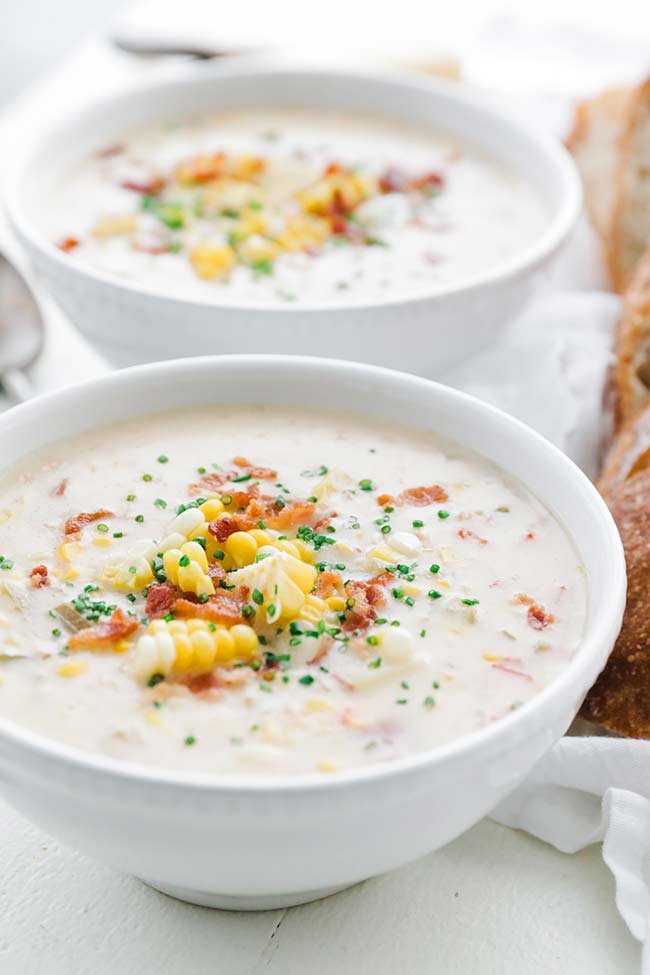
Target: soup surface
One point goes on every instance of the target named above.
(292, 207)
(252, 590)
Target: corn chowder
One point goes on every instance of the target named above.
(293, 207)
(250, 590)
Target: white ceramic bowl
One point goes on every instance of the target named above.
(426, 334)
(256, 842)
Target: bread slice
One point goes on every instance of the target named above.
(594, 143)
(620, 698)
(629, 378)
(629, 231)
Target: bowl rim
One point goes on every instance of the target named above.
(555, 157)
(603, 626)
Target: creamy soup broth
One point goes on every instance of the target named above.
(293, 206)
(361, 592)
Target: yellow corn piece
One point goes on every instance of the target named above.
(70, 573)
(211, 509)
(325, 766)
(244, 167)
(68, 551)
(313, 609)
(102, 541)
(72, 668)
(284, 582)
(115, 226)
(242, 548)
(133, 571)
(187, 568)
(181, 646)
(211, 261)
(336, 603)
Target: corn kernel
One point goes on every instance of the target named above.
(315, 704)
(102, 541)
(242, 548)
(336, 603)
(72, 668)
(211, 509)
(68, 551)
(115, 226)
(70, 573)
(122, 646)
(210, 261)
(325, 766)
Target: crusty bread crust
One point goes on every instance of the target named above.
(594, 143)
(629, 230)
(629, 378)
(620, 698)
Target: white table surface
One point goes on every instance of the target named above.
(495, 902)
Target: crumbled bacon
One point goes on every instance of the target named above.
(224, 527)
(211, 482)
(160, 600)
(38, 577)
(324, 648)
(293, 513)
(68, 244)
(264, 473)
(417, 497)
(367, 597)
(96, 637)
(150, 187)
(150, 248)
(467, 533)
(511, 670)
(324, 521)
(428, 181)
(329, 584)
(74, 525)
(223, 607)
(61, 488)
(392, 180)
(216, 571)
(538, 618)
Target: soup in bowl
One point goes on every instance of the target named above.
(255, 611)
(293, 211)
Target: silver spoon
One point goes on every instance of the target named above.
(22, 332)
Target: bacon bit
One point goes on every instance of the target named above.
(117, 628)
(201, 684)
(224, 527)
(73, 526)
(332, 168)
(160, 600)
(324, 521)
(427, 181)
(38, 577)
(115, 150)
(392, 180)
(524, 599)
(329, 584)
(383, 499)
(150, 248)
(538, 618)
(367, 597)
(68, 244)
(60, 489)
(466, 533)
(216, 571)
(324, 648)
(419, 497)
(149, 187)
(211, 482)
(511, 670)
(338, 224)
(223, 607)
(294, 513)
(264, 473)
(530, 534)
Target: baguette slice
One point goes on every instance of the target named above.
(629, 378)
(629, 231)
(594, 143)
(620, 698)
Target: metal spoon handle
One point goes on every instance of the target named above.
(16, 385)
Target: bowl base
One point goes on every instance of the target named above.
(254, 902)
